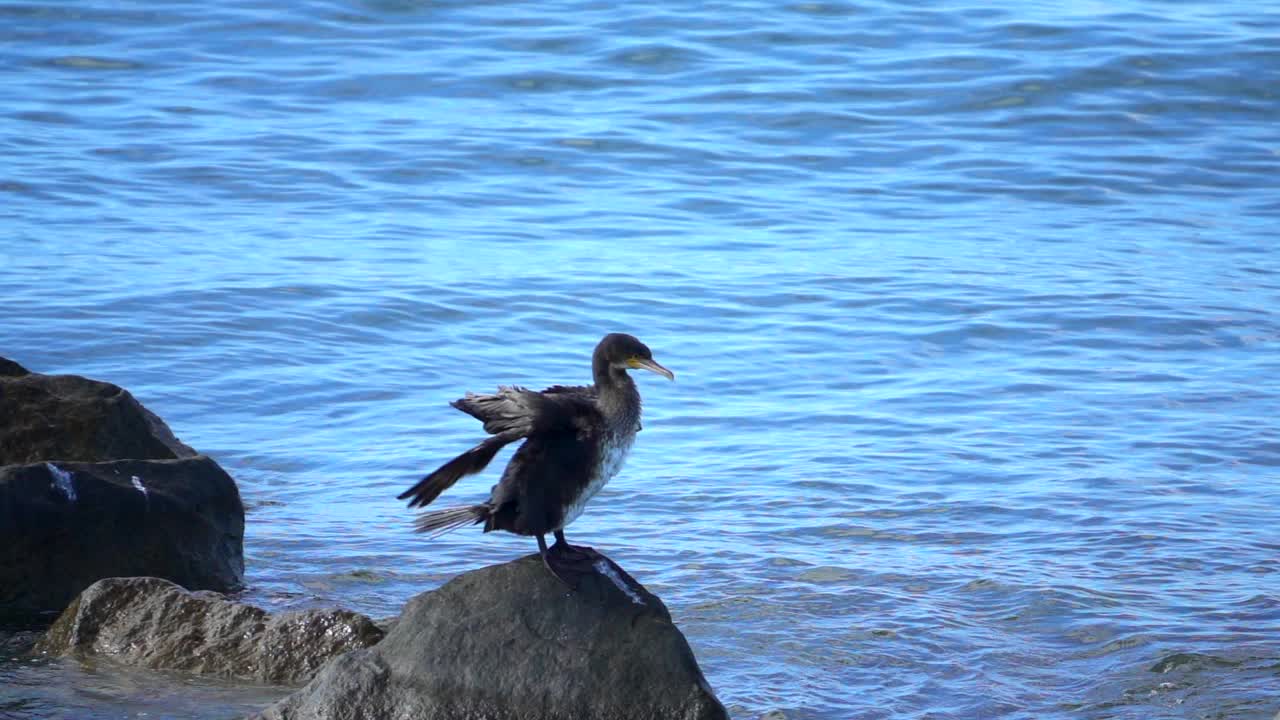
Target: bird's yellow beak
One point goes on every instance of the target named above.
(637, 363)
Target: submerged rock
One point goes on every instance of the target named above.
(153, 623)
(94, 485)
(68, 417)
(65, 525)
(509, 641)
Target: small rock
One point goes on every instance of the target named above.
(509, 641)
(153, 623)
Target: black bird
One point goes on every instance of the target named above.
(575, 439)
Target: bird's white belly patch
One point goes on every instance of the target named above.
(615, 455)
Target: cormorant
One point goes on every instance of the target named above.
(575, 439)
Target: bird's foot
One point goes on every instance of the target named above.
(571, 563)
(576, 552)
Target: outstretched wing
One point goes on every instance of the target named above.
(511, 409)
(508, 415)
(515, 409)
(552, 467)
(468, 463)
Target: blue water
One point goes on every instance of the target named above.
(973, 310)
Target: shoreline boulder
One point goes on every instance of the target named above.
(153, 623)
(510, 641)
(94, 485)
(65, 525)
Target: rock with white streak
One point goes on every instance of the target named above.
(65, 525)
(509, 642)
(94, 485)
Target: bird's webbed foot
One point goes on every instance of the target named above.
(570, 563)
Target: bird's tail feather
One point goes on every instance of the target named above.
(439, 522)
(469, 462)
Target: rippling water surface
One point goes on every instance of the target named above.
(973, 312)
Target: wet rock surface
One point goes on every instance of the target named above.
(153, 623)
(509, 641)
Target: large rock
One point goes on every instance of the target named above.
(64, 525)
(94, 485)
(152, 623)
(68, 417)
(508, 642)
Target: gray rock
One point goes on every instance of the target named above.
(508, 642)
(64, 525)
(152, 623)
(68, 417)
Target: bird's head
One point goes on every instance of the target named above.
(624, 352)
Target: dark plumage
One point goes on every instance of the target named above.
(575, 439)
